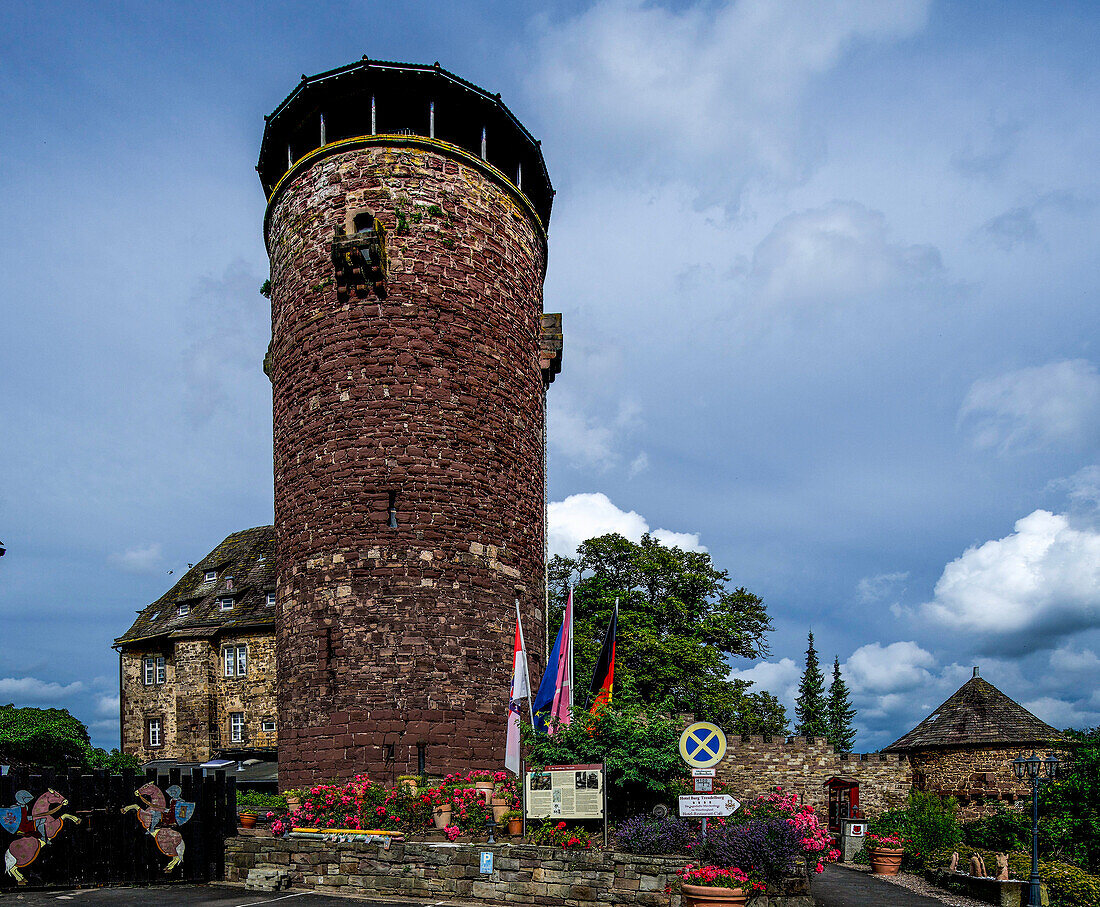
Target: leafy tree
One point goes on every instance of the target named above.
(44, 737)
(640, 746)
(1069, 809)
(678, 626)
(53, 738)
(811, 708)
(841, 734)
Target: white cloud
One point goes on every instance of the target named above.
(140, 559)
(588, 440)
(780, 678)
(879, 669)
(707, 89)
(23, 691)
(1043, 579)
(1075, 661)
(1061, 714)
(873, 589)
(1083, 487)
(639, 464)
(583, 516)
(840, 250)
(1032, 408)
(107, 705)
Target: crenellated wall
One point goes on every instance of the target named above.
(756, 765)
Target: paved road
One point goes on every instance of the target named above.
(838, 887)
(188, 896)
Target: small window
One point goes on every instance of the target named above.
(225, 604)
(236, 727)
(184, 609)
(363, 222)
(210, 576)
(271, 599)
(154, 670)
(235, 660)
(154, 615)
(152, 733)
(268, 726)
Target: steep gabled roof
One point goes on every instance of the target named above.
(977, 714)
(245, 564)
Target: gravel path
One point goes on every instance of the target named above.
(918, 885)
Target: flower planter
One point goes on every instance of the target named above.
(499, 810)
(293, 803)
(441, 816)
(515, 827)
(886, 861)
(484, 790)
(709, 896)
(247, 820)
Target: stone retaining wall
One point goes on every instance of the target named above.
(522, 874)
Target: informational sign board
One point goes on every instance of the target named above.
(702, 744)
(703, 785)
(856, 829)
(707, 805)
(703, 773)
(565, 792)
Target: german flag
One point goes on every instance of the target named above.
(603, 677)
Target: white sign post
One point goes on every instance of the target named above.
(705, 805)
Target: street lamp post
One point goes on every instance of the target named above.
(1030, 769)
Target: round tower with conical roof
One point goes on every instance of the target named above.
(409, 361)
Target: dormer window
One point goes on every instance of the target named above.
(184, 609)
(210, 576)
(271, 599)
(225, 604)
(154, 615)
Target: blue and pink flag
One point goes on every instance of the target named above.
(554, 698)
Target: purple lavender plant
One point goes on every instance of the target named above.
(767, 847)
(646, 835)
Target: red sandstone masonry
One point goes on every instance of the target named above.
(404, 636)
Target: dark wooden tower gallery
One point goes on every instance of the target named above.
(410, 358)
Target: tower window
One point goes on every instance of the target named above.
(271, 599)
(393, 510)
(363, 222)
(210, 576)
(235, 660)
(184, 609)
(268, 726)
(154, 670)
(225, 604)
(152, 733)
(236, 727)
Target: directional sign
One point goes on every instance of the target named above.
(707, 805)
(702, 744)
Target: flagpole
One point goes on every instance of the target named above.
(526, 672)
(572, 620)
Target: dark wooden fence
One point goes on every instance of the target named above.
(109, 847)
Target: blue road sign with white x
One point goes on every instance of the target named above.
(702, 744)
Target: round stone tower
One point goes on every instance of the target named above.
(410, 357)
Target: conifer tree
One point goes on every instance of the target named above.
(841, 733)
(811, 709)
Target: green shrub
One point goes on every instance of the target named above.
(1004, 830)
(260, 803)
(1070, 886)
(929, 824)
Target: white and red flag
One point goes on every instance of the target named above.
(521, 689)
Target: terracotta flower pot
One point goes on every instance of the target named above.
(247, 820)
(886, 861)
(293, 803)
(708, 896)
(441, 816)
(499, 811)
(515, 827)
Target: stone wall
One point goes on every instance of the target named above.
(756, 765)
(196, 699)
(980, 778)
(522, 874)
(431, 399)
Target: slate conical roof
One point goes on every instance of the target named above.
(977, 714)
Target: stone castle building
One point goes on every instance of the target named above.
(197, 667)
(410, 359)
(965, 748)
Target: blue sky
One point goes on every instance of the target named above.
(828, 275)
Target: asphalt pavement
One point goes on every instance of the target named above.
(189, 896)
(839, 887)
